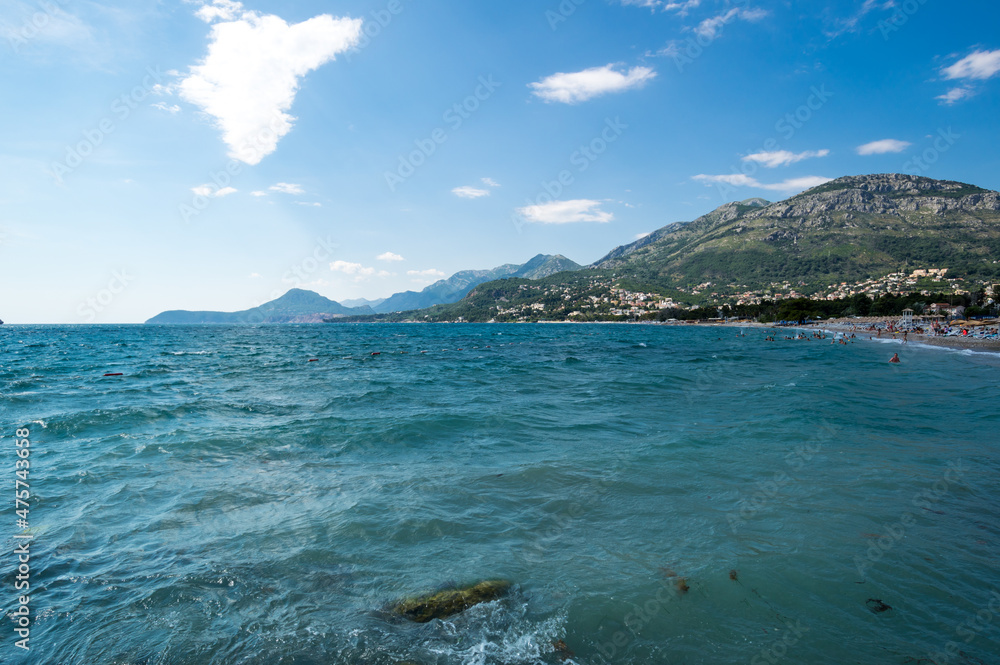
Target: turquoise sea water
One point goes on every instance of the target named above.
(228, 502)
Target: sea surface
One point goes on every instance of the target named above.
(655, 495)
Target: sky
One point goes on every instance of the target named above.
(182, 154)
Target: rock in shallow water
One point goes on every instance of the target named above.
(444, 604)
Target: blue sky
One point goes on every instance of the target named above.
(193, 155)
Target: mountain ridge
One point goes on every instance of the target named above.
(303, 306)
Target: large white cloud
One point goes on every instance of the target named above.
(566, 212)
(883, 146)
(253, 69)
(575, 87)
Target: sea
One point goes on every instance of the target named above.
(264, 495)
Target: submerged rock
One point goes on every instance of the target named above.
(443, 604)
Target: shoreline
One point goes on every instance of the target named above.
(844, 326)
(954, 342)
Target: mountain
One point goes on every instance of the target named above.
(850, 228)
(300, 306)
(296, 306)
(624, 250)
(456, 287)
(361, 302)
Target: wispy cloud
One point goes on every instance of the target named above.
(566, 212)
(576, 87)
(251, 74)
(664, 5)
(956, 95)
(466, 192)
(490, 182)
(429, 273)
(882, 147)
(211, 192)
(790, 185)
(389, 256)
(783, 157)
(25, 25)
(840, 26)
(357, 271)
(287, 188)
(978, 66)
(710, 27)
(163, 106)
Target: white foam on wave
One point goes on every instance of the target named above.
(935, 347)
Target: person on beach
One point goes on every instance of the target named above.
(895, 358)
(904, 336)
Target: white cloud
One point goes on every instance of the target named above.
(578, 87)
(357, 271)
(254, 275)
(980, 65)
(171, 109)
(211, 192)
(797, 184)
(258, 193)
(710, 27)
(955, 94)
(470, 192)
(310, 204)
(883, 147)
(287, 188)
(430, 272)
(389, 256)
(253, 69)
(226, 10)
(680, 7)
(849, 24)
(566, 212)
(735, 179)
(490, 182)
(783, 157)
(787, 186)
(640, 236)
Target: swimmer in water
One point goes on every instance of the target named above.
(895, 358)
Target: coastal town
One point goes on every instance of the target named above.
(606, 298)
